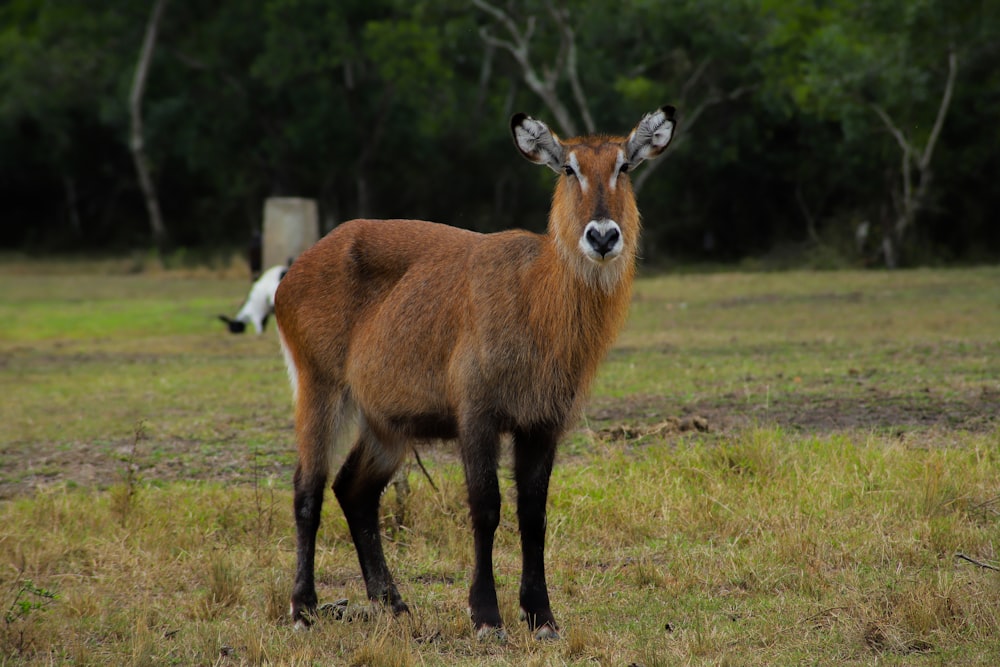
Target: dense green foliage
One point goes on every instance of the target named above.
(795, 115)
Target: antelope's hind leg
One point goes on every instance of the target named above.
(321, 417)
(366, 472)
(309, 487)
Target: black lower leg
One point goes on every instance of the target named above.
(479, 457)
(308, 504)
(534, 452)
(359, 493)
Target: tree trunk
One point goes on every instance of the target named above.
(913, 188)
(137, 144)
(544, 85)
(72, 206)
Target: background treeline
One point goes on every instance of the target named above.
(803, 122)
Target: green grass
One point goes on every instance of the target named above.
(830, 514)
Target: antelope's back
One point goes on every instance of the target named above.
(375, 298)
(337, 281)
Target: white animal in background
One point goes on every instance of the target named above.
(259, 304)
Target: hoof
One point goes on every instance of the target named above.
(547, 630)
(302, 617)
(491, 634)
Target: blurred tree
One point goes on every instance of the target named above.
(58, 71)
(799, 119)
(136, 138)
(888, 69)
(542, 78)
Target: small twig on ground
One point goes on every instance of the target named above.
(985, 566)
(985, 504)
(138, 435)
(123, 496)
(820, 614)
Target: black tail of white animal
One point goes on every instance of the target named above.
(259, 304)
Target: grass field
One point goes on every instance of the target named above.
(786, 468)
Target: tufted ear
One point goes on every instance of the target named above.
(537, 142)
(651, 136)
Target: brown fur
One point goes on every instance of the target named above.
(428, 331)
(415, 316)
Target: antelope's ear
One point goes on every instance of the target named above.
(537, 142)
(651, 136)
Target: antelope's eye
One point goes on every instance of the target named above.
(624, 168)
(568, 170)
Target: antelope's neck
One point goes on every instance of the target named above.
(579, 313)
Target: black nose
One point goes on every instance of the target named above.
(602, 242)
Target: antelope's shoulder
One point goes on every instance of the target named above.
(507, 250)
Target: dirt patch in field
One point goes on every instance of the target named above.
(27, 467)
(977, 412)
(918, 417)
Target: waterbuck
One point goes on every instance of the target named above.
(413, 331)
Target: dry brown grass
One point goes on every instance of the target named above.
(842, 507)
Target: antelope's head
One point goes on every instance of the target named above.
(594, 219)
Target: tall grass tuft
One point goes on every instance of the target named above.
(124, 495)
(224, 587)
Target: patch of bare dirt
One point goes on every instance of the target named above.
(976, 412)
(27, 467)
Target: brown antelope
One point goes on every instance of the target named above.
(416, 331)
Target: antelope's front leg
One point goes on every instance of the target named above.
(479, 444)
(534, 453)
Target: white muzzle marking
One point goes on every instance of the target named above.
(601, 241)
